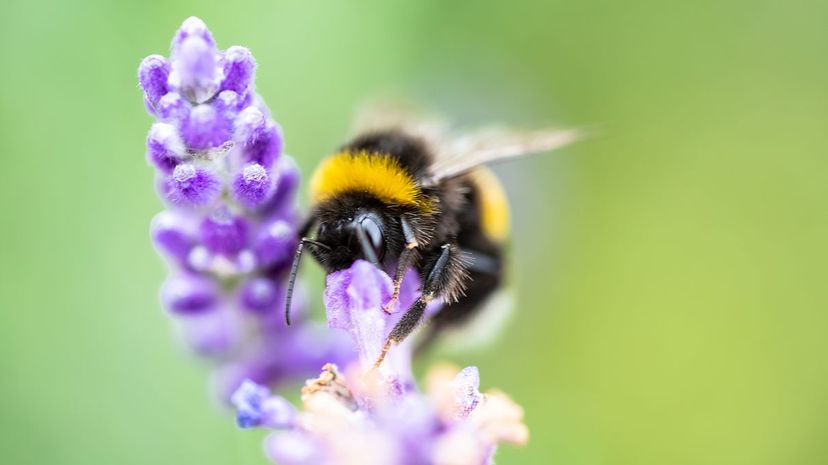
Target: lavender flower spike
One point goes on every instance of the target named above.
(379, 417)
(230, 224)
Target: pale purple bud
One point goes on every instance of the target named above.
(466, 390)
(165, 149)
(252, 186)
(195, 72)
(293, 448)
(213, 333)
(275, 243)
(259, 138)
(224, 233)
(172, 107)
(192, 27)
(260, 295)
(255, 406)
(267, 147)
(171, 235)
(190, 185)
(188, 294)
(239, 69)
(206, 127)
(287, 176)
(354, 298)
(152, 76)
(250, 123)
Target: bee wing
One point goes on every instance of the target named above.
(466, 152)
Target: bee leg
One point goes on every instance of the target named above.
(402, 263)
(445, 278)
(486, 271)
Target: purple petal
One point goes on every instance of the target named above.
(267, 147)
(172, 234)
(152, 76)
(187, 294)
(165, 149)
(249, 125)
(259, 138)
(195, 72)
(212, 334)
(205, 127)
(252, 186)
(224, 233)
(275, 243)
(260, 295)
(287, 177)
(190, 185)
(354, 298)
(239, 69)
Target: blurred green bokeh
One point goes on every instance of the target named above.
(670, 272)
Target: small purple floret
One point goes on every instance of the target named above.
(287, 178)
(190, 185)
(252, 186)
(239, 69)
(267, 147)
(275, 243)
(165, 149)
(213, 333)
(224, 233)
(206, 127)
(188, 294)
(259, 137)
(195, 72)
(259, 295)
(171, 235)
(152, 76)
(192, 27)
(255, 406)
(172, 107)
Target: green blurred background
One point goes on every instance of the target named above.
(671, 272)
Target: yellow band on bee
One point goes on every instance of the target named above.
(379, 175)
(494, 208)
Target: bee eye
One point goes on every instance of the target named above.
(369, 237)
(375, 235)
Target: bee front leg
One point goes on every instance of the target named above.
(403, 262)
(445, 277)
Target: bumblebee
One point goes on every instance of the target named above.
(405, 196)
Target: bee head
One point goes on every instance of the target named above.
(361, 235)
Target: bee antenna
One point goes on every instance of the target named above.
(294, 269)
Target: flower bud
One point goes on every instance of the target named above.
(188, 294)
(152, 76)
(252, 186)
(191, 186)
(239, 69)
